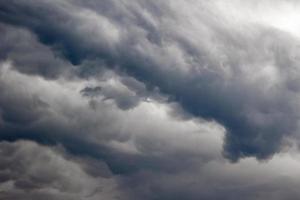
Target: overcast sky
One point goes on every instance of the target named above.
(149, 99)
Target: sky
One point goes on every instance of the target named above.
(149, 99)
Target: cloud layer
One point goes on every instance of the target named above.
(149, 99)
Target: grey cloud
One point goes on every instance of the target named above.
(142, 134)
(31, 171)
(125, 99)
(207, 69)
(53, 174)
(165, 80)
(91, 91)
(29, 55)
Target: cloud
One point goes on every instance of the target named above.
(23, 48)
(207, 65)
(55, 174)
(160, 91)
(31, 171)
(145, 132)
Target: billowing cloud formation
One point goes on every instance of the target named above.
(51, 175)
(162, 93)
(239, 72)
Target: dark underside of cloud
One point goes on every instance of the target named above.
(158, 95)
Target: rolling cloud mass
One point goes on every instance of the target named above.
(149, 99)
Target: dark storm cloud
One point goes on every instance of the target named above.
(54, 174)
(64, 117)
(50, 175)
(165, 80)
(162, 162)
(210, 79)
(29, 55)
